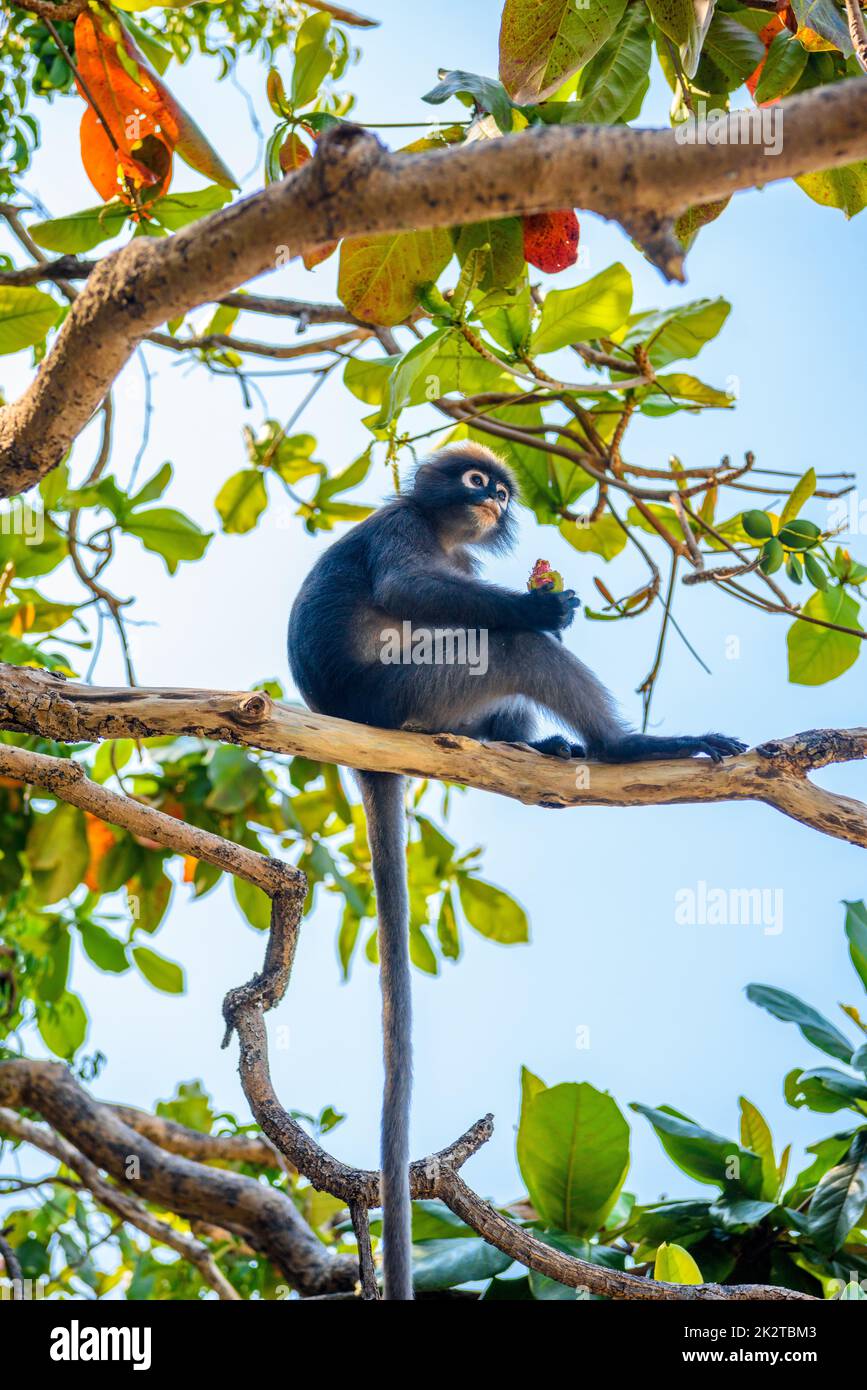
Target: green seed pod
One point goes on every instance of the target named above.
(799, 535)
(794, 569)
(816, 575)
(772, 556)
(757, 525)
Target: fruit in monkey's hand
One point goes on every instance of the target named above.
(543, 577)
(551, 240)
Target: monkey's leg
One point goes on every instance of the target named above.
(539, 668)
(514, 721)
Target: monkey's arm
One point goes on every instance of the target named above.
(437, 595)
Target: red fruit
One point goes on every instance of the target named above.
(551, 240)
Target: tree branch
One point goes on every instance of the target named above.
(266, 1216)
(106, 1141)
(353, 187)
(128, 1208)
(39, 702)
(434, 1177)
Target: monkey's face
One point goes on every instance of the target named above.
(472, 495)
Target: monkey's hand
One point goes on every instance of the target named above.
(548, 611)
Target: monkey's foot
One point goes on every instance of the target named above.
(636, 748)
(558, 747)
(717, 746)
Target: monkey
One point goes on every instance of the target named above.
(415, 561)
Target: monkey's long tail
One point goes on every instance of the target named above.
(383, 795)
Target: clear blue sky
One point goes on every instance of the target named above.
(664, 1003)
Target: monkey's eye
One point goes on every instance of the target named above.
(473, 478)
(503, 495)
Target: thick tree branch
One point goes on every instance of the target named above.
(266, 1216)
(38, 702)
(641, 178)
(128, 1208)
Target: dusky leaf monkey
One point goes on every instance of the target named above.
(415, 560)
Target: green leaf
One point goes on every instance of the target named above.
(595, 309)
(408, 372)
(58, 852)
(543, 42)
(801, 493)
(380, 276)
(241, 501)
(367, 378)
(447, 929)
(255, 905)
(105, 950)
(483, 92)
(25, 317)
(80, 231)
(573, 1152)
(235, 780)
(671, 334)
(491, 912)
(605, 536)
(168, 533)
(674, 1265)
(756, 1136)
(703, 1155)
(782, 68)
(444, 1263)
(347, 939)
(312, 58)
(618, 75)
(176, 210)
(844, 187)
(856, 934)
(62, 1025)
(153, 488)
(840, 1199)
(819, 654)
(113, 754)
(163, 974)
(432, 1220)
(730, 53)
(813, 1026)
(503, 260)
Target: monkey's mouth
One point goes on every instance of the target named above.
(488, 513)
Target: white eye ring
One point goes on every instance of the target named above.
(475, 478)
(503, 495)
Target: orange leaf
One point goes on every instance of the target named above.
(100, 839)
(135, 109)
(114, 173)
(293, 153)
(190, 865)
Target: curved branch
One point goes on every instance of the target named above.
(354, 187)
(434, 1177)
(39, 702)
